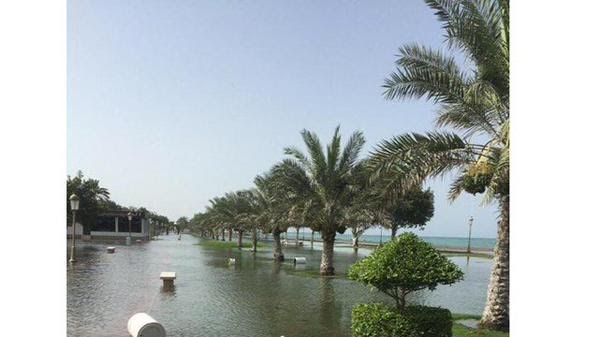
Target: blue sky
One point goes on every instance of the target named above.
(171, 103)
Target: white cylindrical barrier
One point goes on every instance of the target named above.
(299, 260)
(110, 249)
(143, 325)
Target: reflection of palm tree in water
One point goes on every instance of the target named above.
(276, 269)
(330, 310)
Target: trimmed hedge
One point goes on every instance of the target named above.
(378, 320)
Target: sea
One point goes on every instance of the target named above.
(436, 241)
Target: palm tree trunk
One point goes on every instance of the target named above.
(297, 236)
(240, 239)
(312, 240)
(223, 236)
(496, 314)
(355, 244)
(278, 248)
(326, 262)
(254, 240)
(230, 234)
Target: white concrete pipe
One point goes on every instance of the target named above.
(143, 325)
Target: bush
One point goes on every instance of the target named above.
(378, 320)
(405, 265)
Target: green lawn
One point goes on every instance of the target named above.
(462, 331)
(227, 244)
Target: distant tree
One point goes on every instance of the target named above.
(109, 205)
(403, 266)
(160, 222)
(91, 196)
(196, 223)
(182, 223)
(410, 209)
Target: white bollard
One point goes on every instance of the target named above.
(299, 260)
(231, 260)
(128, 241)
(143, 325)
(110, 250)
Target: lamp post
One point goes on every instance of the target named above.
(469, 233)
(74, 199)
(129, 216)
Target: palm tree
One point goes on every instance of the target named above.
(221, 214)
(274, 206)
(474, 102)
(236, 212)
(365, 208)
(252, 212)
(319, 186)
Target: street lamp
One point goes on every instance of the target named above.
(469, 233)
(74, 199)
(129, 216)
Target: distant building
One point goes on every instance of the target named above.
(115, 224)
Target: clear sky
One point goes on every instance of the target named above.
(171, 103)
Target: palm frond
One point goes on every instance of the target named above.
(352, 149)
(333, 150)
(412, 158)
(318, 160)
(424, 72)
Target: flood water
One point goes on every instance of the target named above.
(255, 297)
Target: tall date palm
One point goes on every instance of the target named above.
(319, 185)
(474, 101)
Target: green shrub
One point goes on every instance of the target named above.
(405, 265)
(378, 320)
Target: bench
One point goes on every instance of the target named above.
(168, 278)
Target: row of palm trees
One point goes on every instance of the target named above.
(328, 190)
(331, 189)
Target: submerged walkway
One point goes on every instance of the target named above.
(253, 297)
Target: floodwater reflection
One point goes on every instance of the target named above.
(255, 296)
